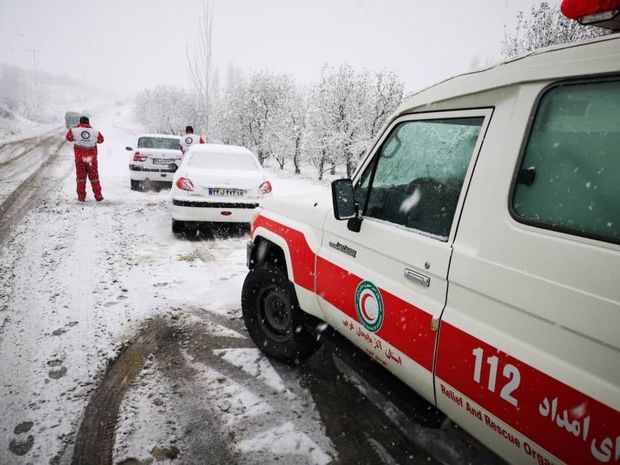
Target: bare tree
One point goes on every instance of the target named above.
(544, 26)
(200, 61)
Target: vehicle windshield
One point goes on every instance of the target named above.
(158, 143)
(223, 161)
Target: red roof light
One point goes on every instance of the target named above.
(604, 13)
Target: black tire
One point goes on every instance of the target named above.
(273, 317)
(178, 227)
(135, 185)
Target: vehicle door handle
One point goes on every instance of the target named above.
(417, 277)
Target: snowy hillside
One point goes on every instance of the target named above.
(35, 102)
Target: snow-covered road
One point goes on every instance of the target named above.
(121, 343)
(78, 280)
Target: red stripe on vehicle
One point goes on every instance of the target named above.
(302, 256)
(567, 423)
(405, 326)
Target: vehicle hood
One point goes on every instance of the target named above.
(308, 209)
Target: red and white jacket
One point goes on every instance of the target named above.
(190, 139)
(85, 139)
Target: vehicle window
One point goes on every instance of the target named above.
(223, 161)
(158, 143)
(569, 179)
(419, 172)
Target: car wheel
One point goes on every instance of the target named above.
(135, 185)
(178, 227)
(273, 317)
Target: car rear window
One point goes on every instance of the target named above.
(223, 161)
(158, 143)
(569, 179)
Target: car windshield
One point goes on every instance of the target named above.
(223, 161)
(158, 143)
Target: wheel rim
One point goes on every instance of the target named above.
(275, 317)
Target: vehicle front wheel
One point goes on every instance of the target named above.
(135, 185)
(273, 317)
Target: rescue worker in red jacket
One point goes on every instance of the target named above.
(190, 139)
(85, 139)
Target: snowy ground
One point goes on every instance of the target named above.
(77, 281)
(121, 343)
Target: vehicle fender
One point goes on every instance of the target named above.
(299, 246)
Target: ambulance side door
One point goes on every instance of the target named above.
(384, 286)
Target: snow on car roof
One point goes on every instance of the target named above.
(218, 148)
(595, 56)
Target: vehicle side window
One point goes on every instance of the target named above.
(569, 179)
(419, 172)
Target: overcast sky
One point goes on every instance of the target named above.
(128, 45)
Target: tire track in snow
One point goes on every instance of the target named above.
(25, 193)
(94, 443)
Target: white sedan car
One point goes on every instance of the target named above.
(154, 160)
(217, 184)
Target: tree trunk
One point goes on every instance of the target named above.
(296, 156)
(349, 165)
(321, 165)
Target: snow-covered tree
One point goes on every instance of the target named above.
(347, 110)
(268, 95)
(387, 94)
(253, 113)
(330, 124)
(229, 124)
(319, 131)
(543, 26)
(289, 126)
(166, 109)
(297, 119)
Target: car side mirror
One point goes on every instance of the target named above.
(128, 148)
(345, 207)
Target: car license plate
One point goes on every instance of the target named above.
(162, 161)
(222, 192)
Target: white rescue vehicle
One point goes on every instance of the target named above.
(475, 254)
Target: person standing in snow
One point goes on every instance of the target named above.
(85, 139)
(190, 139)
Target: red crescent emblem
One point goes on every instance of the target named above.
(363, 306)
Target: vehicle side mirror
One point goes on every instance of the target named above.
(129, 148)
(343, 199)
(345, 207)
